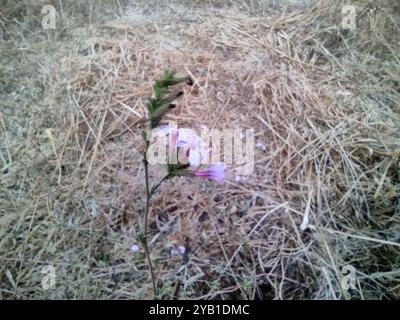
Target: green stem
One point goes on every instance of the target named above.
(147, 207)
(153, 278)
(146, 218)
(149, 194)
(155, 187)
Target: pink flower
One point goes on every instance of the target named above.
(172, 132)
(240, 179)
(135, 248)
(195, 148)
(216, 172)
(181, 250)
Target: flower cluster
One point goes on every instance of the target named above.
(184, 144)
(191, 151)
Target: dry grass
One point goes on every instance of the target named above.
(323, 101)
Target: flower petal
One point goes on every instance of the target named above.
(216, 172)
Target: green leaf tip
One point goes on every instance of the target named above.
(163, 97)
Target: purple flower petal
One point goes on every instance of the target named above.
(216, 172)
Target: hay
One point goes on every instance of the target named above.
(325, 191)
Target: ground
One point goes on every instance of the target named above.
(319, 213)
